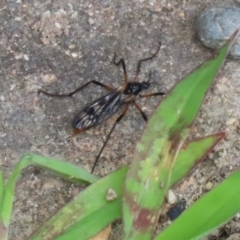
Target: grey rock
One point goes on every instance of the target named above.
(216, 25)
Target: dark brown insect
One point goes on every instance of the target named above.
(107, 105)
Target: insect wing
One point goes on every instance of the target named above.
(98, 111)
(111, 107)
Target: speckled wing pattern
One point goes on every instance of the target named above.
(98, 111)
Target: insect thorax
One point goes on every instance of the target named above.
(136, 87)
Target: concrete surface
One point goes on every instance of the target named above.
(58, 46)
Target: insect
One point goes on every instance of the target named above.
(104, 107)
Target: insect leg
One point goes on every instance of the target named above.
(78, 89)
(141, 111)
(76, 132)
(121, 61)
(145, 59)
(152, 94)
(108, 137)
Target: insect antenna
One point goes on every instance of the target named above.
(122, 62)
(143, 60)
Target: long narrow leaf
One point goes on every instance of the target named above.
(1, 190)
(3, 224)
(77, 215)
(60, 167)
(100, 212)
(192, 153)
(149, 175)
(210, 211)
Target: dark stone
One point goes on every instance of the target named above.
(176, 210)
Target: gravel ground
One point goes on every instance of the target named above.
(60, 45)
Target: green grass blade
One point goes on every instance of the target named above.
(148, 177)
(77, 215)
(3, 225)
(1, 190)
(63, 168)
(192, 153)
(208, 213)
(101, 213)
(89, 226)
(71, 172)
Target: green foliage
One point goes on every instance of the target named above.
(160, 161)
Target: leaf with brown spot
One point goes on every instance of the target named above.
(149, 175)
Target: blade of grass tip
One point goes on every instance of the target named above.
(159, 144)
(3, 226)
(192, 153)
(8, 194)
(64, 169)
(1, 189)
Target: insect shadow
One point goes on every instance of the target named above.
(104, 107)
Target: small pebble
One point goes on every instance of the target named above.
(91, 21)
(237, 217)
(171, 197)
(58, 25)
(231, 121)
(208, 186)
(216, 25)
(25, 56)
(2, 98)
(71, 46)
(74, 55)
(48, 78)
